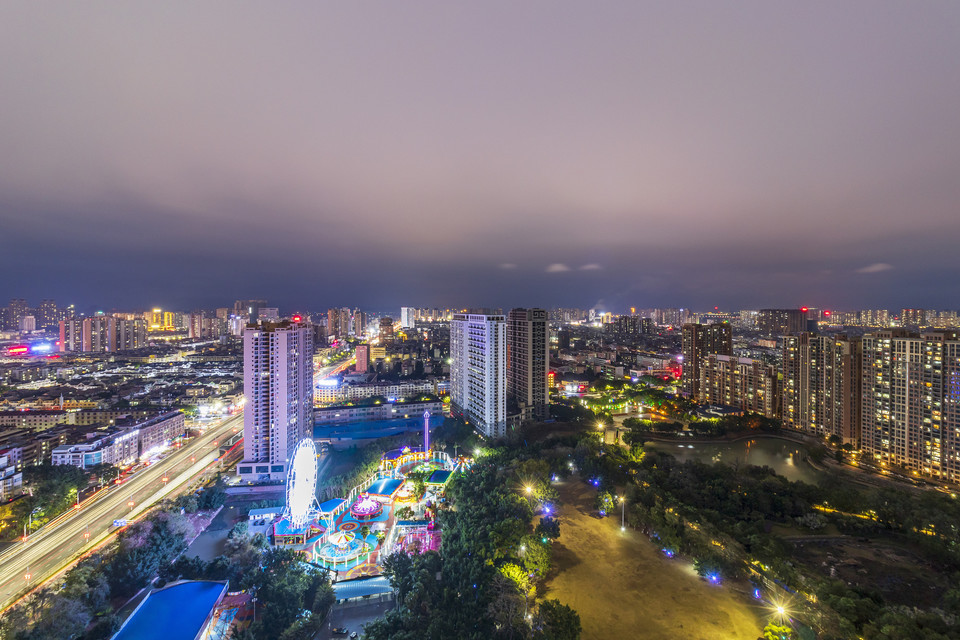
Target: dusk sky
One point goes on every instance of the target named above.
(740, 154)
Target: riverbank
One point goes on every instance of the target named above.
(623, 587)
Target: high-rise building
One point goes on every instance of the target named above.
(363, 358)
(528, 362)
(278, 387)
(195, 325)
(749, 385)
(248, 309)
(339, 322)
(71, 335)
(911, 401)
(359, 323)
(822, 382)
(697, 342)
(131, 334)
(28, 324)
(47, 316)
(99, 334)
(160, 320)
(478, 372)
(269, 314)
(913, 317)
(386, 331)
(779, 322)
(408, 317)
(631, 326)
(15, 312)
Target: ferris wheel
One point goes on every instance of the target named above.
(302, 484)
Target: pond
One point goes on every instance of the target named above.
(787, 458)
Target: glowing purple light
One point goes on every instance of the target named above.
(668, 553)
(714, 578)
(365, 507)
(756, 593)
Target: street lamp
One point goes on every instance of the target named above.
(623, 502)
(529, 489)
(781, 611)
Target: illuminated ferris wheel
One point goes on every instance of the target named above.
(302, 484)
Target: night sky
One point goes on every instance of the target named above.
(740, 154)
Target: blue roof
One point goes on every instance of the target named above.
(385, 487)
(283, 527)
(361, 587)
(178, 612)
(260, 513)
(331, 505)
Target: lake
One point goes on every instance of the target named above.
(787, 458)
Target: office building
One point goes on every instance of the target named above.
(748, 385)
(278, 386)
(778, 322)
(28, 324)
(911, 401)
(822, 384)
(697, 342)
(528, 362)
(478, 371)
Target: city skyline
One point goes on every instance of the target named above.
(635, 155)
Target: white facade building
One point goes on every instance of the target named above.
(278, 385)
(408, 317)
(478, 383)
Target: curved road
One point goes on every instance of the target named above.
(63, 540)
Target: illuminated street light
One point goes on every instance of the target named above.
(529, 489)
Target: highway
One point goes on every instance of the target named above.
(66, 538)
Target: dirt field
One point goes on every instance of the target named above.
(623, 587)
(901, 576)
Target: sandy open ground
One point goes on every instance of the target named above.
(623, 587)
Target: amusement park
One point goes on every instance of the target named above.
(394, 509)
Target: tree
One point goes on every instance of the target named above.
(778, 632)
(556, 621)
(548, 528)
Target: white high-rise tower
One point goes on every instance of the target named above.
(478, 383)
(278, 386)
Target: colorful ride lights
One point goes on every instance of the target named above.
(366, 507)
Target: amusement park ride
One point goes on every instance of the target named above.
(349, 535)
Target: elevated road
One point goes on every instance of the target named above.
(63, 540)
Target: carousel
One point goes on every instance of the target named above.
(366, 508)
